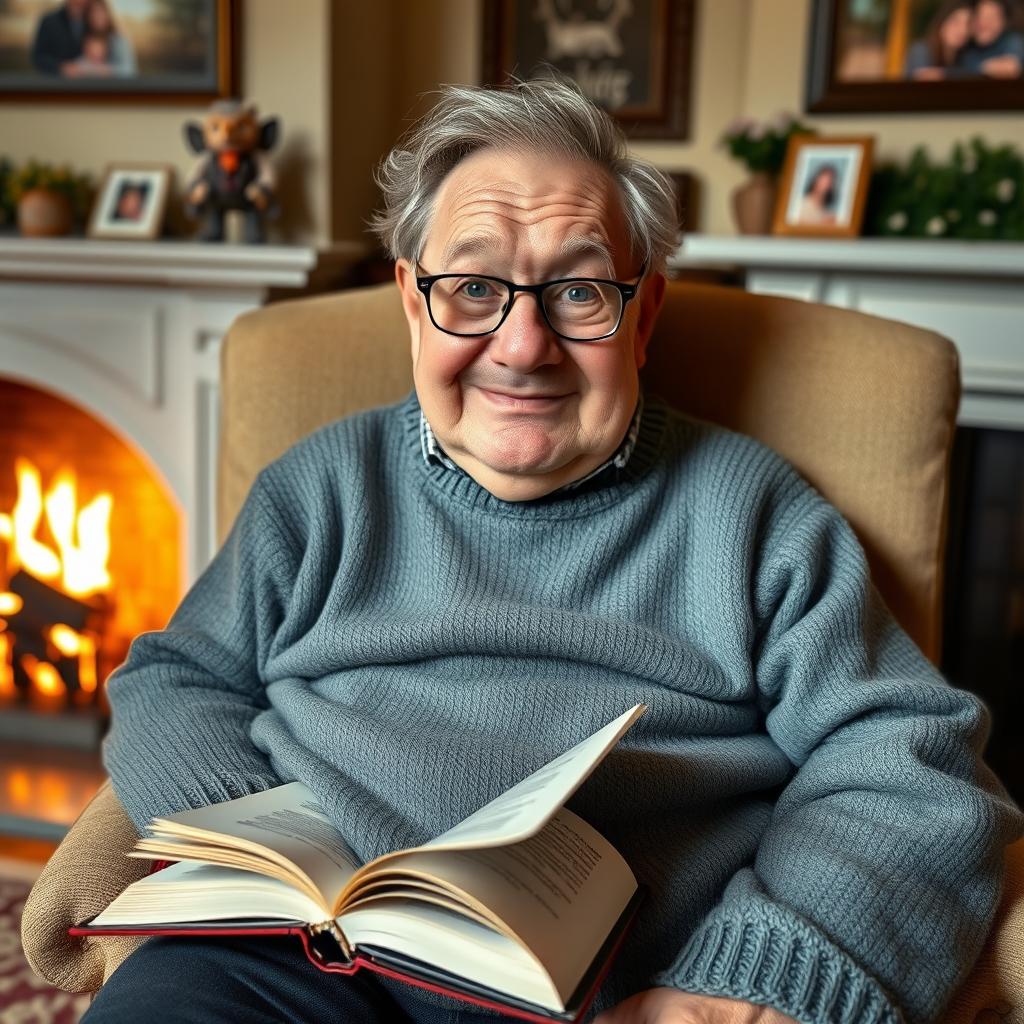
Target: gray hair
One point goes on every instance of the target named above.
(549, 114)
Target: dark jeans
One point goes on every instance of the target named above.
(186, 980)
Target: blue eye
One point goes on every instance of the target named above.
(476, 289)
(579, 293)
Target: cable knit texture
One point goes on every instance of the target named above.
(804, 799)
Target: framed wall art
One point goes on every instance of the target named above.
(824, 186)
(175, 51)
(902, 55)
(632, 57)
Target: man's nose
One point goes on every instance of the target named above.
(525, 341)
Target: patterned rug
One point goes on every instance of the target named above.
(24, 998)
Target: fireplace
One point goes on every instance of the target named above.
(89, 557)
(109, 376)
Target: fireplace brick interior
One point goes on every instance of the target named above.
(144, 559)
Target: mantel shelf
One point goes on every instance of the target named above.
(167, 262)
(882, 255)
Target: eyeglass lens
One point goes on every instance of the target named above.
(582, 310)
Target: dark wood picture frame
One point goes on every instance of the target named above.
(827, 95)
(782, 225)
(667, 62)
(222, 80)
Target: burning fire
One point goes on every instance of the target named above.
(82, 538)
(74, 561)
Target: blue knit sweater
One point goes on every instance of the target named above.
(804, 798)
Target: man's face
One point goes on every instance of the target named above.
(522, 410)
(989, 23)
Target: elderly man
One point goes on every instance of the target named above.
(421, 604)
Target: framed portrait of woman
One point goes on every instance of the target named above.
(174, 51)
(902, 55)
(824, 186)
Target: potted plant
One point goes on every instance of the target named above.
(761, 147)
(48, 199)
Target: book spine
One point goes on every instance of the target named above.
(318, 933)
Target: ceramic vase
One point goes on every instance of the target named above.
(753, 204)
(44, 214)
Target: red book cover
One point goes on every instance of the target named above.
(324, 952)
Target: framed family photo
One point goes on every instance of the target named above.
(903, 55)
(131, 202)
(824, 186)
(631, 57)
(175, 51)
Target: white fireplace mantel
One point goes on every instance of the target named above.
(131, 332)
(972, 292)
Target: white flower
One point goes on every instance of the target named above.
(897, 221)
(936, 226)
(1006, 190)
(987, 217)
(739, 126)
(782, 121)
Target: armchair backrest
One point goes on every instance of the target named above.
(865, 408)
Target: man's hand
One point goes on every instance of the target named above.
(1005, 66)
(670, 1006)
(257, 196)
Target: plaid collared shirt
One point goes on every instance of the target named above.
(434, 453)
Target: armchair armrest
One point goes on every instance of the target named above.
(994, 990)
(85, 873)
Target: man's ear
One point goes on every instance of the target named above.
(405, 277)
(651, 297)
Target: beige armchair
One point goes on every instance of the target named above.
(864, 407)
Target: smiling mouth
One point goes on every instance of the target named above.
(525, 403)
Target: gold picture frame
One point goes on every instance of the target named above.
(824, 186)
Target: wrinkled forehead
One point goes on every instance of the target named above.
(528, 214)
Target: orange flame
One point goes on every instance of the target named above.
(77, 645)
(7, 688)
(75, 561)
(44, 676)
(82, 536)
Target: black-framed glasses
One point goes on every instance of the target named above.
(575, 308)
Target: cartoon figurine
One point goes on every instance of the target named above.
(234, 172)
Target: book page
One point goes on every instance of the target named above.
(461, 947)
(522, 810)
(559, 892)
(284, 822)
(184, 893)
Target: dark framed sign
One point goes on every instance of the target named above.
(901, 55)
(633, 57)
(173, 51)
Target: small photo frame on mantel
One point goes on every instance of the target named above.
(131, 202)
(824, 186)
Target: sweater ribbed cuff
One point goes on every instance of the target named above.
(762, 954)
(212, 761)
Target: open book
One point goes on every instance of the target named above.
(520, 907)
